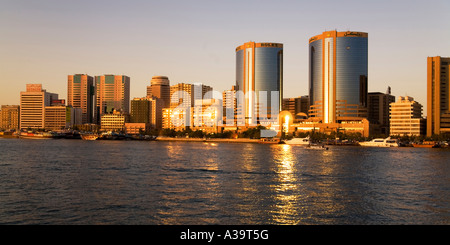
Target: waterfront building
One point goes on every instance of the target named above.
(229, 106)
(160, 88)
(32, 106)
(137, 128)
(208, 115)
(298, 106)
(259, 82)
(114, 121)
(59, 117)
(406, 117)
(147, 110)
(112, 92)
(80, 94)
(338, 69)
(10, 117)
(184, 94)
(177, 118)
(378, 111)
(438, 95)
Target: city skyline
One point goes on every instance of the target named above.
(194, 41)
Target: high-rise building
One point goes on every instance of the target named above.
(10, 117)
(32, 106)
(259, 82)
(185, 94)
(160, 88)
(378, 111)
(438, 95)
(112, 92)
(406, 117)
(338, 63)
(80, 94)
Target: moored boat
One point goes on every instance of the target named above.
(388, 142)
(426, 144)
(299, 141)
(317, 147)
(89, 136)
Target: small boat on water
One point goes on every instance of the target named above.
(299, 141)
(426, 144)
(38, 135)
(89, 136)
(317, 147)
(270, 141)
(388, 142)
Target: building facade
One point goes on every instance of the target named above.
(32, 106)
(378, 111)
(59, 117)
(114, 121)
(338, 69)
(438, 95)
(10, 117)
(160, 88)
(298, 106)
(406, 117)
(259, 82)
(80, 94)
(112, 92)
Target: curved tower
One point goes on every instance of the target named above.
(338, 63)
(160, 88)
(259, 81)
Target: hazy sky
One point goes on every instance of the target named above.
(194, 41)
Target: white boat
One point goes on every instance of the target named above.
(317, 147)
(298, 141)
(388, 142)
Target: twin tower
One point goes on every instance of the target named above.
(338, 67)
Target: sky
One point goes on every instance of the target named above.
(194, 41)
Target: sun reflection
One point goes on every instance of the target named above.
(286, 187)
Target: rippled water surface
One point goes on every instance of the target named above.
(133, 182)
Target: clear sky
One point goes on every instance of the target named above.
(194, 41)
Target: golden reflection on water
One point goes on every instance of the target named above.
(286, 186)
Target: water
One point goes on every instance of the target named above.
(190, 183)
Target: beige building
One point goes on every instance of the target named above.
(438, 95)
(32, 106)
(406, 117)
(113, 122)
(9, 117)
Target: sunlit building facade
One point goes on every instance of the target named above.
(80, 94)
(338, 63)
(160, 88)
(438, 95)
(9, 117)
(32, 106)
(259, 82)
(112, 92)
(406, 117)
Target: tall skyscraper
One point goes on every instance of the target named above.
(438, 95)
(160, 88)
(259, 81)
(338, 63)
(80, 93)
(112, 92)
(32, 106)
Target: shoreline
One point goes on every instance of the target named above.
(216, 140)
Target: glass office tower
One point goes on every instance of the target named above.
(259, 82)
(338, 63)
